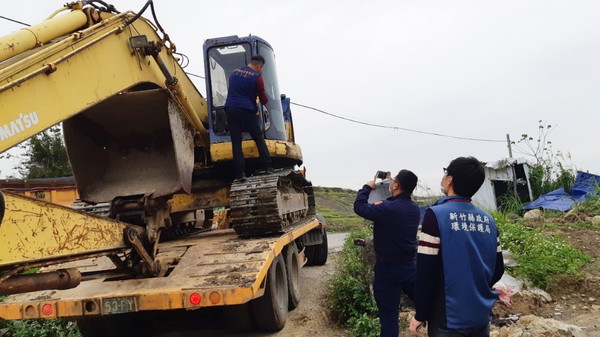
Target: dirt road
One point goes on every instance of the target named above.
(308, 319)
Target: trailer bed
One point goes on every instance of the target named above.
(208, 269)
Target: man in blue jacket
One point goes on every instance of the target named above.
(395, 241)
(459, 259)
(245, 85)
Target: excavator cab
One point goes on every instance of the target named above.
(222, 56)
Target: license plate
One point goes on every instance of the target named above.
(118, 305)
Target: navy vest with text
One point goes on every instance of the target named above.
(468, 242)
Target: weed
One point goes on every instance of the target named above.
(590, 206)
(542, 258)
(364, 326)
(510, 203)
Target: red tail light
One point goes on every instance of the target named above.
(195, 299)
(47, 309)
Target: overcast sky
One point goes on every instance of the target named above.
(476, 69)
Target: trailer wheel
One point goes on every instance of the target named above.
(271, 309)
(317, 254)
(292, 266)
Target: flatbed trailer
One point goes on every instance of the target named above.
(210, 269)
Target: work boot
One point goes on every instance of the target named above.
(240, 178)
(266, 171)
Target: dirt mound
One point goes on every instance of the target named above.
(534, 326)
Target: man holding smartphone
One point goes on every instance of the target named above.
(395, 241)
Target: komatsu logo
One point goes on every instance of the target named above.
(18, 125)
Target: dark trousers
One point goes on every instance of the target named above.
(237, 118)
(433, 331)
(391, 279)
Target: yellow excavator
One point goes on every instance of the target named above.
(141, 139)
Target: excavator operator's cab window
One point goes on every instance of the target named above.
(272, 116)
(222, 61)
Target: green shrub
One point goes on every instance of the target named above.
(545, 178)
(348, 296)
(541, 258)
(364, 326)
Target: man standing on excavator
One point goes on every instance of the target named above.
(245, 85)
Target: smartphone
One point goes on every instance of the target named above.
(381, 175)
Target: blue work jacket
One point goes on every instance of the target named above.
(395, 224)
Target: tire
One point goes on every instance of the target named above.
(292, 266)
(317, 254)
(239, 317)
(271, 309)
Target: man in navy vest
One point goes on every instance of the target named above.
(458, 259)
(395, 241)
(245, 85)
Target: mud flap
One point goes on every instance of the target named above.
(133, 143)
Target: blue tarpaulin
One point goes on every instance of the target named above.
(584, 186)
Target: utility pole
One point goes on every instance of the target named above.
(512, 166)
(509, 146)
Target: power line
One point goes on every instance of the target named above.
(194, 75)
(397, 127)
(15, 21)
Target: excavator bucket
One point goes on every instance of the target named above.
(132, 143)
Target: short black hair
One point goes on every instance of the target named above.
(467, 174)
(257, 59)
(407, 180)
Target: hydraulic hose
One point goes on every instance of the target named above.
(139, 14)
(2, 207)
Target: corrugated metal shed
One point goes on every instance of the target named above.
(504, 177)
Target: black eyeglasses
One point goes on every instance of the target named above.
(445, 169)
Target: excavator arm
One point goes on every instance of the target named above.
(132, 122)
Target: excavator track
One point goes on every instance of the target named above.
(267, 204)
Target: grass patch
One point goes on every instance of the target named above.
(40, 328)
(570, 225)
(590, 206)
(338, 222)
(348, 297)
(337, 206)
(542, 258)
